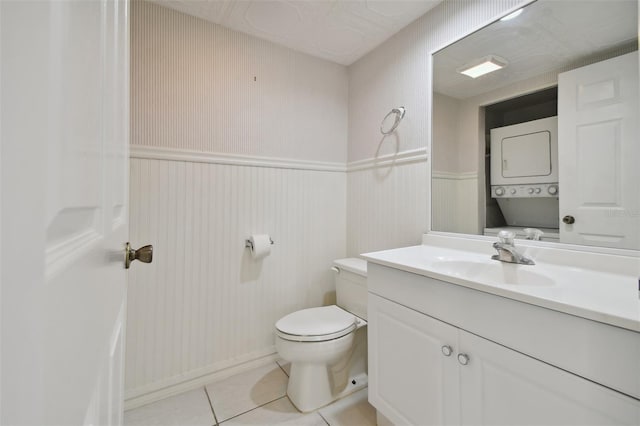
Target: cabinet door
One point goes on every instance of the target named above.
(500, 386)
(411, 381)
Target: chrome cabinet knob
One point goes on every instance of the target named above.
(143, 254)
(569, 220)
(463, 359)
(446, 350)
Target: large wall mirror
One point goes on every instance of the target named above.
(535, 126)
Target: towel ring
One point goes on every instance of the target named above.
(399, 112)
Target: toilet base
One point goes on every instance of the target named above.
(310, 398)
(315, 384)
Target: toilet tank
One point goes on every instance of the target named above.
(351, 285)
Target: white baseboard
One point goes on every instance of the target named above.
(185, 382)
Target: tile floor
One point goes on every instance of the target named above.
(255, 397)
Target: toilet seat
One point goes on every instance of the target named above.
(316, 324)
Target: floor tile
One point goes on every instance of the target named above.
(285, 365)
(353, 410)
(279, 412)
(246, 391)
(187, 409)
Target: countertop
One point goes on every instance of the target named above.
(595, 286)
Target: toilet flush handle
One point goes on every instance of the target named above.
(335, 269)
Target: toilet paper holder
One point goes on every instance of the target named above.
(248, 243)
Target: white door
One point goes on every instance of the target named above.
(599, 154)
(499, 386)
(64, 192)
(412, 380)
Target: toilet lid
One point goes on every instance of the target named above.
(316, 324)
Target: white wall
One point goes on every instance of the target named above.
(398, 74)
(193, 88)
(217, 156)
(445, 142)
(197, 114)
(385, 207)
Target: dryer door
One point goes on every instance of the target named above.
(525, 153)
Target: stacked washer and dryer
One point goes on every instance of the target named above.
(524, 178)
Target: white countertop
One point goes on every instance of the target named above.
(595, 286)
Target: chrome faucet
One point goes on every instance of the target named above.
(507, 250)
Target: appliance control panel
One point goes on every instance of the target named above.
(537, 190)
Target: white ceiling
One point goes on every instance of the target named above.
(549, 35)
(341, 31)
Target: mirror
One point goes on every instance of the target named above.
(547, 144)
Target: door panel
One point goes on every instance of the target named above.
(599, 151)
(410, 380)
(64, 210)
(500, 386)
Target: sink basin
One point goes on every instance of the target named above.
(493, 272)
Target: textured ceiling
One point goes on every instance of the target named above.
(550, 35)
(341, 31)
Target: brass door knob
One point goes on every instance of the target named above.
(143, 254)
(568, 219)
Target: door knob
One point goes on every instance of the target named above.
(143, 254)
(447, 350)
(568, 219)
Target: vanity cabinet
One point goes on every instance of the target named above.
(426, 371)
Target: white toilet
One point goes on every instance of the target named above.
(327, 346)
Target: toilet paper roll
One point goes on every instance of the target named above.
(260, 245)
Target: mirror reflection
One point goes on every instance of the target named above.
(535, 126)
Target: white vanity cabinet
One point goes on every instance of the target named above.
(428, 370)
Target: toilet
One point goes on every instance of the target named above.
(327, 346)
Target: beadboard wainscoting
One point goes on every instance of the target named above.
(231, 135)
(386, 205)
(455, 206)
(204, 304)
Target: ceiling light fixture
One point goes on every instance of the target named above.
(512, 15)
(483, 66)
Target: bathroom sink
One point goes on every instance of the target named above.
(598, 286)
(492, 272)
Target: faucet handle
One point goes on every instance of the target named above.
(533, 233)
(506, 237)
